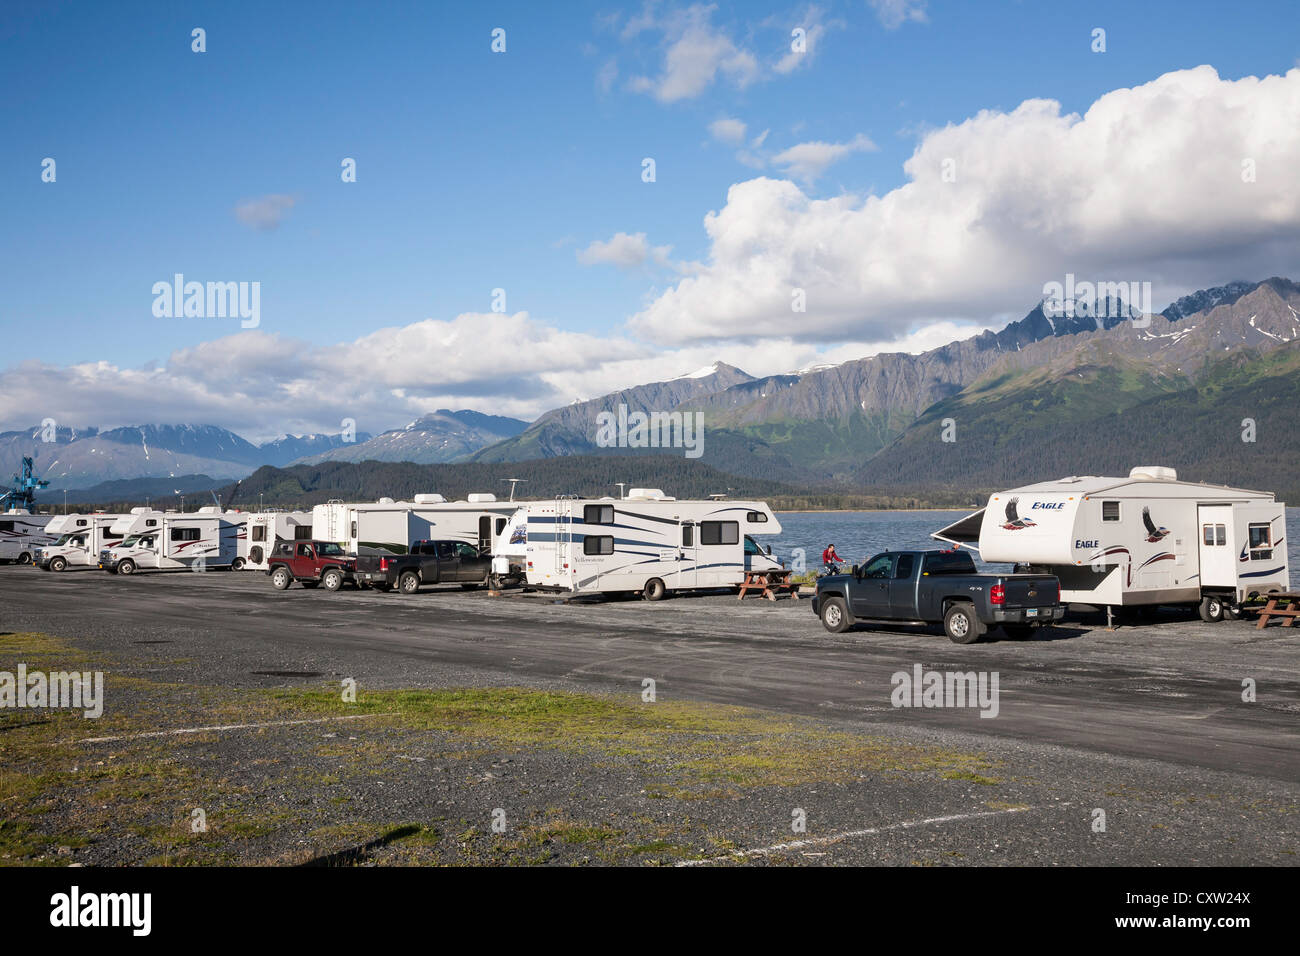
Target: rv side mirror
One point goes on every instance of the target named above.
(769, 549)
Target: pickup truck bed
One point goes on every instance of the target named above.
(933, 587)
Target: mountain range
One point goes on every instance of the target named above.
(1047, 395)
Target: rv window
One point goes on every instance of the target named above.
(81, 522)
(6, 526)
(259, 533)
(756, 517)
(598, 544)
(354, 529)
(302, 532)
(501, 525)
(598, 514)
(185, 534)
(151, 522)
(751, 546)
(905, 563)
(1261, 542)
(1208, 534)
(688, 536)
(719, 532)
(1220, 538)
(1110, 511)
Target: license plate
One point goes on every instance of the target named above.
(1031, 612)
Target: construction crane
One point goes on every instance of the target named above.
(23, 493)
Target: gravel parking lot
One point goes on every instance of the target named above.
(517, 729)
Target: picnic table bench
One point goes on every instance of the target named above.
(770, 583)
(1271, 609)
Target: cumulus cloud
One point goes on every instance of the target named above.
(1147, 185)
(695, 54)
(894, 13)
(264, 213)
(729, 131)
(807, 161)
(625, 251)
(814, 25)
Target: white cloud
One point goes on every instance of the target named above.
(807, 161)
(814, 27)
(1146, 186)
(894, 13)
(729, 131)
(695, 54)
(264, 213)
(624, 250)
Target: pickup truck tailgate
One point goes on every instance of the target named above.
(1029, 590)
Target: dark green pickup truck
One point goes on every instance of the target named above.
(932, 587)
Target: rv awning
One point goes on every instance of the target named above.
(963, 532)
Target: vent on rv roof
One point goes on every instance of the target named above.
(384, 501)
(481, 496)
(1154, 473)
(140, 511)
(429, 499)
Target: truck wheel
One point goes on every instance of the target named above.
(332, 579)
(835, 616)
(126, 567)
(409, 582)
(961, 625)
(1211, 609)
(58, 564)
(655, 590)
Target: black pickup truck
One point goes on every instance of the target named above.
(428, 562)
(930, 587)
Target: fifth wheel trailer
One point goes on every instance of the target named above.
(1147, 539)
(388, 525)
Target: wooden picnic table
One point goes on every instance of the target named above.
(771, 583)
(1271, 609)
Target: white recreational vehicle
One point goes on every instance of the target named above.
(21, 533)
(264, 529)
(388, 525)
(1146, 539)
(168, 540)
(646, 542)
(78, 539)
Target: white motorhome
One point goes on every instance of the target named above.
(21, 533)
(264, 529)
(646, 542)
(1147, 539)
(78, 539)
(167, 540)
(388, 525)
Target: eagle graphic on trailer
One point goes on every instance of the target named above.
(1213, 547)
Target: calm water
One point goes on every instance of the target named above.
(860, 534)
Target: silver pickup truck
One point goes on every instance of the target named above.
(932, 587)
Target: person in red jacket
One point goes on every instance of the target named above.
(830, 560)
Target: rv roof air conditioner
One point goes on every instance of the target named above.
(481, 496)
(140, 511)
(429, 499)
(1154, 473)
(384, 501)
(648, 494)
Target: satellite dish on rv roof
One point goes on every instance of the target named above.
(1154, 473)
(429, 499)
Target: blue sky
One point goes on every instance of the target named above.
(479, 170)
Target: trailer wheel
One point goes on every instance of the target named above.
(835, 615)
(126, 567)
(409, 582)
(1211, 609)
(281, 579)
(961, 625)
(25, 558)
(58, 563)
(655, 590)
(332, 579)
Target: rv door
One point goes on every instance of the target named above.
(688, 555)
(1218, 560)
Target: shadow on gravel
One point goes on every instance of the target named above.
(357, 854)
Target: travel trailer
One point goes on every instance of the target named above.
(388, 525)
(1147, 539)
(646, 542)
(78, 539)
(167, 540)
(264, 529)
(21, 533)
